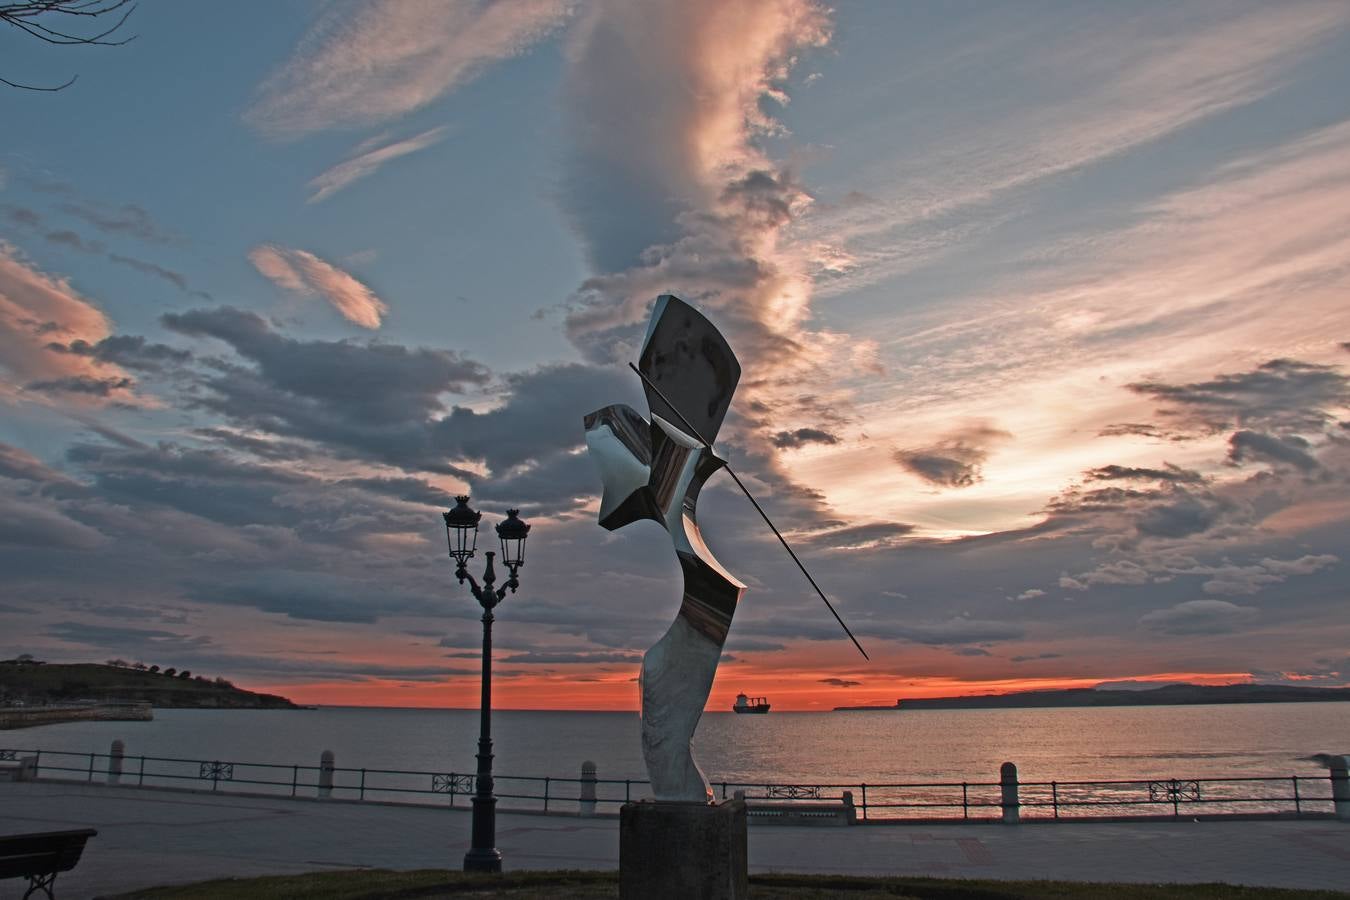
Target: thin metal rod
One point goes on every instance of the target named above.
(765, 516)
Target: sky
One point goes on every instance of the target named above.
(1043, 311)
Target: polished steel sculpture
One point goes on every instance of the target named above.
(654, 470)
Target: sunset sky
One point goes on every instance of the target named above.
(1043, 311)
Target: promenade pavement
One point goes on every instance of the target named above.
(149, 837)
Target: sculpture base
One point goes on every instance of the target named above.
(673, 851)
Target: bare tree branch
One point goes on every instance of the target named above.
(24, 15)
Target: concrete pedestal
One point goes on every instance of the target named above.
(675, 851)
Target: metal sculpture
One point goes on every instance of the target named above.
(655, 470)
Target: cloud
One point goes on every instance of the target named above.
(37, 309)
(956, 630)
(177, 279)
(1279, 395)
(364, 384)
(1198, 617)
(1169, 472)
(554, 657)
(669, 188)
(366, 63)
(127, 219)
(838, 682)
(367, 162)
(1253, 446)
(134, 641)
(802, 436)
(129, 351)
(955, 460)
(305, 274)
(1038, 656)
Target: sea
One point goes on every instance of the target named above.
(1158, 742)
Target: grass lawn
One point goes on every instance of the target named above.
(377, 884)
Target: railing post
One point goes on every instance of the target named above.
(215, 775)
(724, 790)
(546, 779)
(965, 801)
(1054, 797)
(362, 795)
(1340, 787)
(140, 776)
(587, 796)
(1298, 807)
(115, 762)
(1007, 779)
(326, 774)
(864, 800)
(627, 791)
(295, 779)
(91, 766)
(37, 763)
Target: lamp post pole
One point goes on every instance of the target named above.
(461, 525)
(483, 855)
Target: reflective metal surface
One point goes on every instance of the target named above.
(655, 470)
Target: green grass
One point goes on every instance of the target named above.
(378, 884)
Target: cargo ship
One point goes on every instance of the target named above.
(746, 704)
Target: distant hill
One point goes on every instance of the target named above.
(34, 682)
(1168, 695)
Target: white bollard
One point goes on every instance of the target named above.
(326, 774)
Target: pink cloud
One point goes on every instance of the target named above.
(36, 310)
(368, 64)
(368, 162)
(305, 274)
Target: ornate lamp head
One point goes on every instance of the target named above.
(512, 531)
(461, 530)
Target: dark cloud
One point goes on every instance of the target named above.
(1281, 395)
(1198, 617)
(177, 279)
(358, 382)
(554, 657)
(1253, 446)
(318, 597)
(1022, 659)
(839, 682)
(128, 351)
(956, 459)
(128, 219)
(1183, 514)
(82, 384)
(871, 535)
(67, 238)
(971, 651)
(956, 630)
(127, 640)
(763, 196)
(803, 436)
(1169, 472)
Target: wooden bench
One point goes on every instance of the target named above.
(39, 857)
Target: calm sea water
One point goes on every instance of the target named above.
(841, 747)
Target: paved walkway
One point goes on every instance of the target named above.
(149, 837)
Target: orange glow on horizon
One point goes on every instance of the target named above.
(799, 692)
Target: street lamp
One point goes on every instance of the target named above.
(461, 532)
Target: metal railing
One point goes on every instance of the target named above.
(1283, 796)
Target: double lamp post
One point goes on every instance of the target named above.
(461, 529)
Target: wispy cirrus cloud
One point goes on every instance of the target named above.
(361, 64)
(366, 161)
(301, 272)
